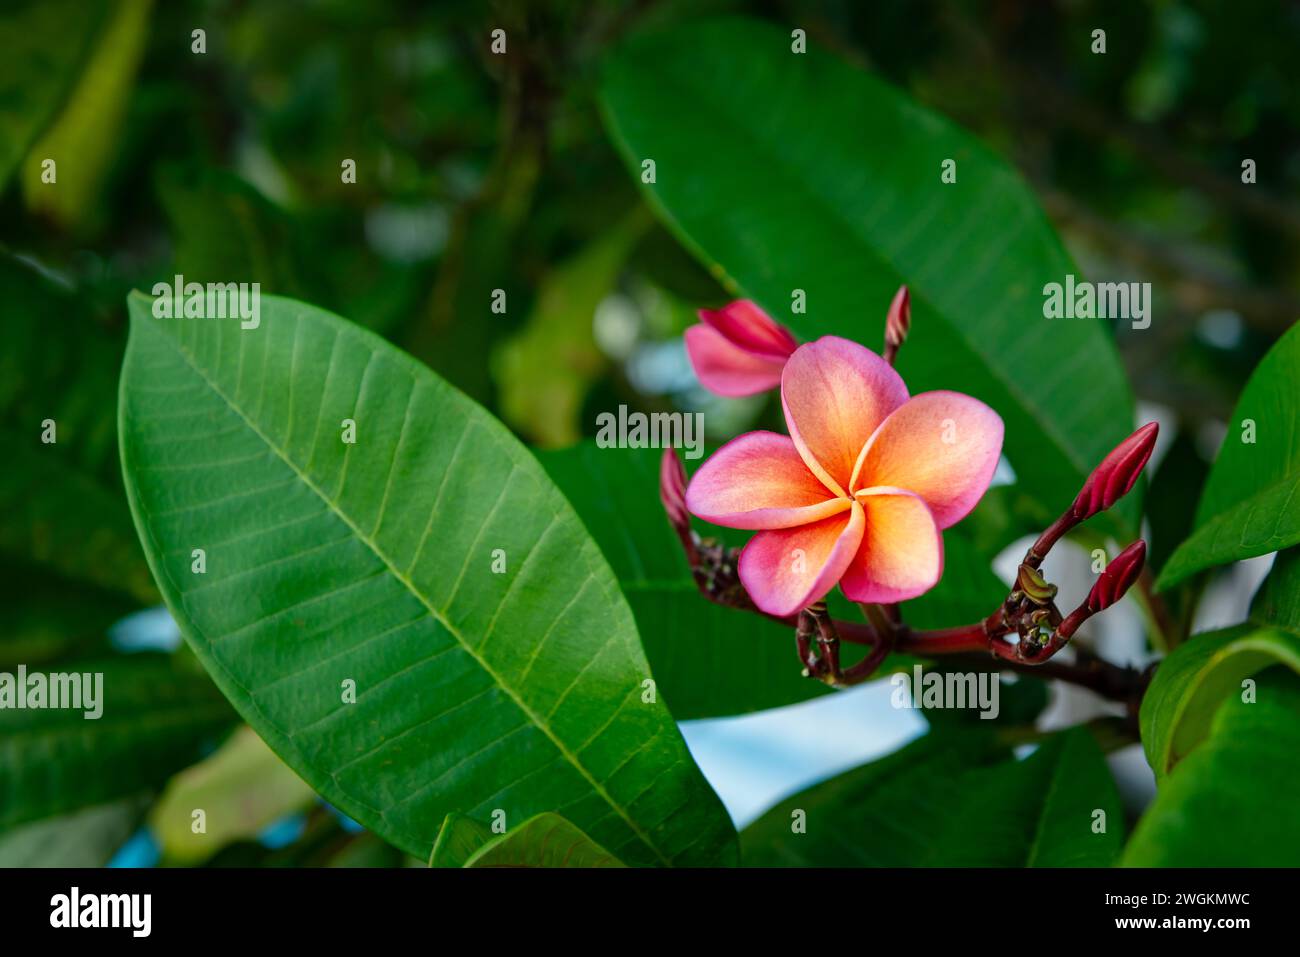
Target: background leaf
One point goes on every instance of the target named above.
(788, 172)
(85, 838)
(546, 369)
(79, 140)
(1195, 678)
(157, 717)
(327, 562)
(1278, 600)
(952, 799)
(1229, 803)
(1251, 502)
(45, 39)
(62, 510)
(242, 789)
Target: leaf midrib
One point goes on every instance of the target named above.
(535, 718)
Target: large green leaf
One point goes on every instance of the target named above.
(156, 717)
(712, 661)
(1231, 802)
(43, 45)
(954, 799)
(374, 562)
(1251, 502)
(787, 171)
(546, 840)
(1194, 680)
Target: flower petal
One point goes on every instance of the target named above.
(835, 393)
(750, 328)
(758, 480)
(726, 369)
(787, 569)
(944, 446)
(901, 555)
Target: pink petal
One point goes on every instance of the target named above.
(943, 446)
(726, 369)
(788, 569)
(835, 393)
(901, 555)
(758, 480)
(749, 327)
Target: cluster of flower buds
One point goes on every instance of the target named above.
(739, 350)
(1030, 610)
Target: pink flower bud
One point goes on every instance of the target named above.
(899, 320)
(672, 491)
(1118, 472)
(1120, 574)
(738, 350)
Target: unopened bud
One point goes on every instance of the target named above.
(1120, 574)
(672, 491)
(899, 320)
(1116, 475)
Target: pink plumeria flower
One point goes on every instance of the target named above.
(738, 349)
(859, 491)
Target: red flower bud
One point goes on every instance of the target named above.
(1115, 476)
(1120, 574)
(899, 320)
(672, 491)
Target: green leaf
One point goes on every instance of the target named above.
(1230, 803)
(44, 44)
(373, 562)
(62, 501)
(459, 839)
(242, 789)
(546, 369)
(1251, 502)
(257, 243)
(156, 718)
(546, 840)
(1278, 600)
(1196, 677)
(711, 661)
(82, 140)
(788, 172)
(952, 799)
(86, 838)
(48, 617)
